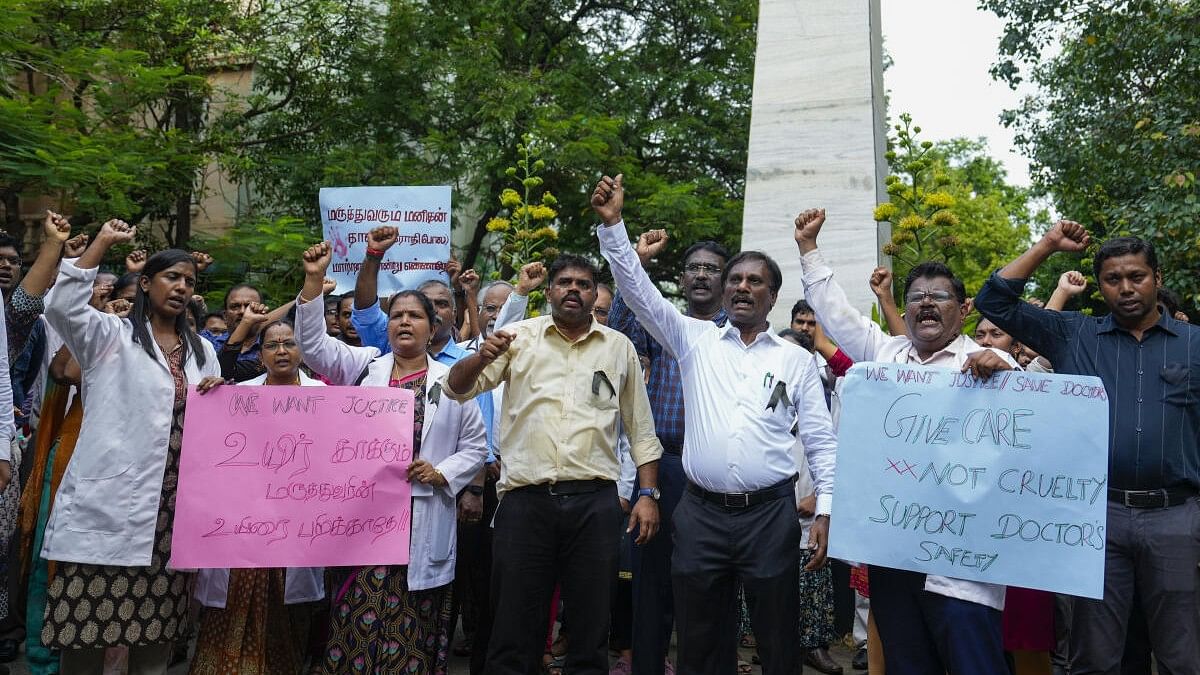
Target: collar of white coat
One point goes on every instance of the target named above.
(305, 381)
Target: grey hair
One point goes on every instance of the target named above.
(439, 282)
(483, 291)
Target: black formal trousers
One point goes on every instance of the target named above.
(539, 540)
(717, 546)
(653, 604)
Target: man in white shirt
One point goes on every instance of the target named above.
(744, 388)
(928, 624)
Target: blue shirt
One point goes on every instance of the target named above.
(1153, 386)
(665, 385)
(219, 341)
(371, 324)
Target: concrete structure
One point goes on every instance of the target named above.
(817, 139)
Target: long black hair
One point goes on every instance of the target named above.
(139, 316)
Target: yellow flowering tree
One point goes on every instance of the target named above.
(527, 222)
(951, 202)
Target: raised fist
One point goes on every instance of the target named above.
(469, 280)
(609, 198)
(256, 313)
(202, 260)
(808, 226)
(651, 244)
(1072, 282)
(328, 286)
(381, 238)
(881, 282)
(56, 228)
(135, 261)
(119, 232)
(118, 307)
(75, 246)
(1067, 236)
(532, 276)
(317, 259)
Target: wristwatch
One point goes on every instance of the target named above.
(652, 493)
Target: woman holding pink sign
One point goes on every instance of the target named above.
(247, 625)
(109, 533)
(395, 618)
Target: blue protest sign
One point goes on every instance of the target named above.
(1003, 481)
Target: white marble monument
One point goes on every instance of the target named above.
(817, 139)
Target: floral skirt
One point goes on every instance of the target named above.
(256, 633)
(379, 626)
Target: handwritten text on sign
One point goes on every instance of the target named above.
(1003, 480)
(421, 214)
(294, 477)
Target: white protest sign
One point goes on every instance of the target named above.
(1003, 481)
(422, 215)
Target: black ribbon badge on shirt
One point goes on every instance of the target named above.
(779, 395)
(599, 377)
(435, 393)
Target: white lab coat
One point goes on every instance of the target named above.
(452, 439)
(107, 506)
(300, 584)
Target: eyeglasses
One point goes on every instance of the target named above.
(599, 312)
(695, 268)
(491, 309)
(275, 346)
(937, 296)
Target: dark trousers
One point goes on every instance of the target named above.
(541, 539)
(482, 582)
(925, 633)
(714, 548)
(1156, 553)
(653, 600)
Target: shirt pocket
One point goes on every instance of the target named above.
(598, 390)
(777, 407)
(103, 503)
(1178, 383)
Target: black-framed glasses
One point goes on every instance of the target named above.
(275, 346)
(707, 268)
(916, 297)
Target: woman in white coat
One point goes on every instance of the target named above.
(246, 626)
(109, 533)
(393, 619)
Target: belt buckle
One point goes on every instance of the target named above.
(734, 503)
(550, 489)
(1126, 499)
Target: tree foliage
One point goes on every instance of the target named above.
(950, 201)
(1114, 130)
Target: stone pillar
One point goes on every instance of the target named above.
(817, 139)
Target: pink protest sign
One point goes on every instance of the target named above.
(294, 477)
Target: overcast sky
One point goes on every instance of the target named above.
(942, 50)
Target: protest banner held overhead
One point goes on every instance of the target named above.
(294, 477)
(1002, 480)
(421, 213)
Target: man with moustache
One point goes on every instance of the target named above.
(927, 624)
(568, 382)
(1150, 365)
(744, 389)
(653, 601)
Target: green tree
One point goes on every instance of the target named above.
(1114, 130)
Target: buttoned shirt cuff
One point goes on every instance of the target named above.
(1011, 288)
(825, 504)
(814, 266)
(611, 236)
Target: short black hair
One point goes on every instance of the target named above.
(344, 297)
(566, 260)
(931, 269)
(238, 287)
(804, 339)
(8, 241)
(426, 305)
(1119, 246)
(776, 275)
(706, 245)
(212, 315)
(801, 307)
(1170, 300)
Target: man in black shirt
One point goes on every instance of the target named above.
(1150, 365)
